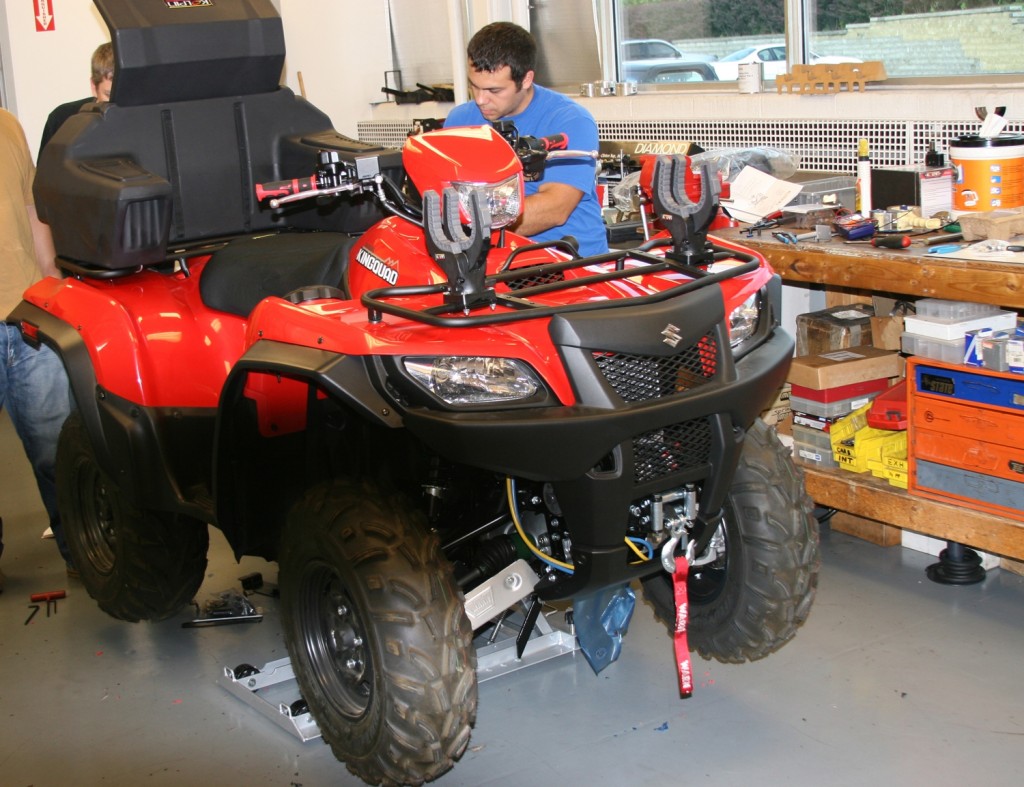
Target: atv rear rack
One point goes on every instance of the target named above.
(483, 312)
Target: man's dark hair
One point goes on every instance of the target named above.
(502, 44)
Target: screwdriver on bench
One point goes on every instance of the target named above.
(891, 241)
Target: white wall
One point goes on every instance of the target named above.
(42, 70)
(340, 47)
(939, 102)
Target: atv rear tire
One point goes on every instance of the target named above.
(377, 634)
(750, 601)
(138, 564)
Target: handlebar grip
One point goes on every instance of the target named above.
(284, 188)
(555, 142)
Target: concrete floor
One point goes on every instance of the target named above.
(894, 680)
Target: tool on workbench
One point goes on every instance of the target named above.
(891, 241)
(853, 226)
(945, 249)
(947, 238)
(32, 614)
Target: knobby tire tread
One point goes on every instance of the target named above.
(424, 641)
(160, 558)
(772, 572)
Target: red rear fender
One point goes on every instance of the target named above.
(149, 336)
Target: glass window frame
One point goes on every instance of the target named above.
(797, 38)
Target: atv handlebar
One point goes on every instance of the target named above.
(285, 188)
(548, 143)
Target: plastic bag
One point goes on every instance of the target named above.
(781, 164)
(601, 621)
(625, 194)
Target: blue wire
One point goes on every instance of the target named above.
(644, 542)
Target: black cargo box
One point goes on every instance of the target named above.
(196, 119)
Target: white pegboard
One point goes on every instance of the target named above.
(828, 145)
(387, 133)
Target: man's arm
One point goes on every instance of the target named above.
(550, 207)
(46, 255)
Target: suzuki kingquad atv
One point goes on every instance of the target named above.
(363, 375)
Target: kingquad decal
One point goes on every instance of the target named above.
(377, 266)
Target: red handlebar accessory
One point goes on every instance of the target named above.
(284, 188)
(555, 142)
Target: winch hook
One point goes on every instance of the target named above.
(668, 552)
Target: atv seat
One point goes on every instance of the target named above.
(196, 119)
(248, 270)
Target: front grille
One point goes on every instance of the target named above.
(640, 378)
(673, 449)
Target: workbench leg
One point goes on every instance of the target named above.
(958, 565)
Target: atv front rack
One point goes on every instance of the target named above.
(519, 306)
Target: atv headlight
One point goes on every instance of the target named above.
(504, 199)
(744, 319)
(474, 380)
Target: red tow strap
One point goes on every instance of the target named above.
(682, 614)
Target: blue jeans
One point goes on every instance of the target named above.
(35, 390)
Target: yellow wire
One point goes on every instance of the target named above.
(543, 555)
(636, 549)
(522, 535)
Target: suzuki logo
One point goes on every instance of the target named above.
(672, 335)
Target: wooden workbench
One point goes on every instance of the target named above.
(851, 272)
(863, 269)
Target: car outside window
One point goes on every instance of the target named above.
(914, 38)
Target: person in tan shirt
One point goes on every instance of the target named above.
(34, 388)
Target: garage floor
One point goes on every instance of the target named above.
(893, 680)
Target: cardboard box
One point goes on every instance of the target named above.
(887, 324)
(843, 367)
(886, 332)
(833, 328)
(778, 413)
(930, 188)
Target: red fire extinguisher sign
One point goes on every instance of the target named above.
(45, 21)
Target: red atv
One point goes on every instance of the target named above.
(364, 376)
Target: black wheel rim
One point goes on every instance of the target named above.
(99, 531)
(335, 641)
(706, 582)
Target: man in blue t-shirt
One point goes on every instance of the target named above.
(564, 201)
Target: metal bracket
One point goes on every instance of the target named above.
(264, 689)
(498, 653)
(500, 592)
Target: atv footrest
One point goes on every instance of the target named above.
(496, 647)
(273, 692)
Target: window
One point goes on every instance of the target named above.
(912, 38)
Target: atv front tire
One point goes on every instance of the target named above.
(138, 564)
(377, 634)
(750, 601)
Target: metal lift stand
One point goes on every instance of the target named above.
(521, 637)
